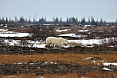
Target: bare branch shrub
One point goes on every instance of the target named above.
(112, 40)
(42, 30)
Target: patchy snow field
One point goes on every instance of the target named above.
(6, 33)
(108, 64)
(40, 44)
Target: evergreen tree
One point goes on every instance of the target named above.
(88, 21)
(67, 21)
(73, 20)
(7, 20)
(56, 20)
(26, 20)
(60, 19)
(29, 20)
(70, 20)
(104, 23)
(116, 22)
(101, 22)
(83, 22)
(34, 20)
(3, 21)
(53, 20)
(76, 21)
(0, 21)
(42, 20)
(16, 20)
(97, 23)
(92, 21)
(21, 20)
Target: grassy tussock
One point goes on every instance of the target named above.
(74, 58)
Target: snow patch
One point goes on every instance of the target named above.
(107, 69)
(83, 30)
(62, 30)
(86, 42)
(108, 64)
(6, 33)
(72, 35)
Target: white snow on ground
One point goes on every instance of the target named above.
(12, 42)
(72, 35)
(70, 29)
(108, 64)
(14, 34)
(36, 44)
(86, 42)
(83, 30)
(39, 44)
(6, 33)
(62, 30)
(107, 69)
(3, 30)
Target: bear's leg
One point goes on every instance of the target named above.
(61, 45)
(47, 46)
(57, 46)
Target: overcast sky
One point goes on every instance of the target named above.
(105, 9)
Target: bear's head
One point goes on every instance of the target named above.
(65, 42)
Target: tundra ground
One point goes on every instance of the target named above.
(73, 62)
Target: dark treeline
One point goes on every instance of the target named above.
(56, 21)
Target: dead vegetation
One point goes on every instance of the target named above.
(74, 44)
(96, 74)
(74, 58)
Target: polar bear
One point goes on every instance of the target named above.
(56, 41)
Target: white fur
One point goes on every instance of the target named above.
(56, 41)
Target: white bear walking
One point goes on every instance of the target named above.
(56, 41)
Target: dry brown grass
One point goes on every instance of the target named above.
(74, 58)
(101, 74)
(104, 28)
(28, 75)
(75, 44)
(69, 75)
(19, 29)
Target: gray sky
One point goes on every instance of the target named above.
(105, 9)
